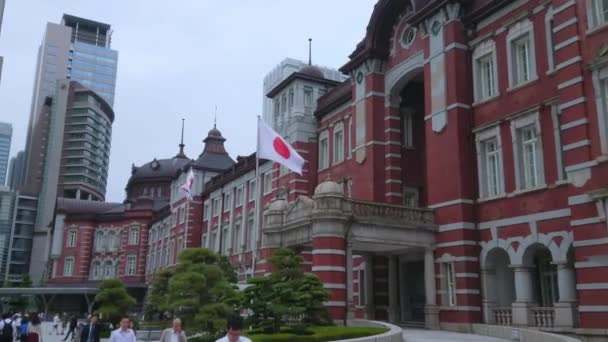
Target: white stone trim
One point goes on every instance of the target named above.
(570, 82)
(591, 242)
(334, 303)
(328, 251)
(450, 203)
(460, 308)
(456, 243)
(392, 130)
(564, 24)
(574, 123)
(500, 13)
(458, 105)
(450, 258)
(568, 63)
(392, 168)
(576, 145)
(467, 275)
(590, 220)
(393, 181)
(584, 165)
(579, 199)
(456, 226)
(392, 117)
(571, 103)
(592, 286)
(593, 308)
(456, 46)
(328, 268)
(392, 155)
(564, 6)
(567, 42)
(334, 286)
(545, 215)
(393, 194)
(588, 264)
(516, 31)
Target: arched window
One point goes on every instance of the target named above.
(112, 241)
(100, 241)
(96, 270)
(108, 269)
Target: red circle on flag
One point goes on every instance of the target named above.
(281, 148)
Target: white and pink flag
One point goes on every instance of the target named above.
(273, 147)
(188, 186)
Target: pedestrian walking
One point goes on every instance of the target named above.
(90, 332)
(64, 323)
(175, 333)
(233, 334)
(8, 328)
(23, 331)
(123, 333)
(56, 321)
(78, 332)
(34, 329)
(73, 323)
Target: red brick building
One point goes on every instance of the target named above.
(458, 176)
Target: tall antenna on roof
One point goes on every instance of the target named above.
(309, 51)
(215, 118)
(181, 144)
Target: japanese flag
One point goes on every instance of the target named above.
(188, 186)
(273, 147)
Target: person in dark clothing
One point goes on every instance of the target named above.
(90, 332)
(72, 327)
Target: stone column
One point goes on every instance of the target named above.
(406, 312)
(328, 263)
(524, 296)
(393, 291)
(431, 310)
(566, 307)
(370, 308)
(488, 293)
(350, 302)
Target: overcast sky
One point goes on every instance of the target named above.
(180, 59)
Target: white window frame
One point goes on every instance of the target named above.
(206, 210)
(68, 271)
(252, 189)
(267, 182)
(485, 51)
(517, 32)
(350, 138)
(600, 85)
(238, 198)
(72, 237)
(236, 239)
(131, 264)
(323, 150)
(594, 14)
(227, 201)
(96, 270)
(481, 139)
(549, 25)
(109, 272)
(112, 238)
(100, 241)
(338, 147)
(410, 192)
(251, 232)
(182, 214)
(449, 281)
(516, 127)
(215, 206)
(308, 96)
(407, 126)
(133, 235)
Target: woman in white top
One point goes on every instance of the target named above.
(34, 329)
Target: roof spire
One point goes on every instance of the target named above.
(215, 118)
(309, 51)
(181, 153)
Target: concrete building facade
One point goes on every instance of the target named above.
(16, 171)
(6, 135)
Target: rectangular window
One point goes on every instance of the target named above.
(215, 204)
(224, 241)
(182, 216)
(522, 60)
(68, 266)
(250, 232)
(529, 157)
(72, 238)
(206, 211)
(227, 202)
(485, 77)
(284, 104)
(410, 197)
(323, 153)
(491, 167)
(450, 284)
(239, 197)
(291, 97)
(180, 244)
(252, 190)
(267, 182)
(131, 264)
(307, 96)
(350, 138)
(236, 238)
(599, 11)
(407, 115)
(338, 145)
(133, 235)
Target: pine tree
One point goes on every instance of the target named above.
(113, 301)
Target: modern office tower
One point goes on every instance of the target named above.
(279, 73)
(16, 171)
(6, 133)
(77, 49)
(76, 157)
(20, 241)
(7, 200)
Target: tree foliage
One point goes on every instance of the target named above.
(112, 300)
(288, 296)
(201, 290)
(20, 302)
(159, 287)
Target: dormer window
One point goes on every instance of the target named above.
(308, 96)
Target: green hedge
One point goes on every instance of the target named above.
(318, 334)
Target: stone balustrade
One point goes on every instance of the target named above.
(543, 317)
(383, 211)
(503, 316)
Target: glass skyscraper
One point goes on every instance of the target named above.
(6, 132)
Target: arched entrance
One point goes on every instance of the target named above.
(498, 286)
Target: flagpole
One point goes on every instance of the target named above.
(256, 218)
(187, 219)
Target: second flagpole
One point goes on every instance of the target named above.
(256, 218)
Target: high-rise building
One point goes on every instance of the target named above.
(68, 141)
(21, 236)
(7, 200)
(16, 170)
(1, 15)
(6, 133)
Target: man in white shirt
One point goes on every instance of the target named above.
(123, 334)
(235, 325)
(175, 333)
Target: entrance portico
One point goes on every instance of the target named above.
(391, 245)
